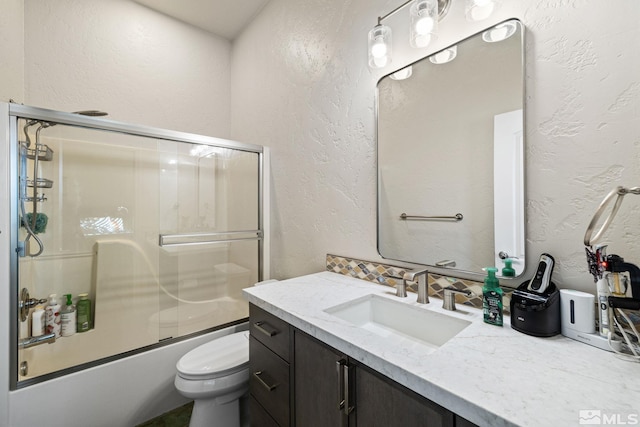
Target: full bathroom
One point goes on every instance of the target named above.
(230, 156)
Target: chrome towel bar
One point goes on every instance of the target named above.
(457, 217)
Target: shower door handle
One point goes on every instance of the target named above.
(188, 239)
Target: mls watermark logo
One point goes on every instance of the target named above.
(591, 416)
(599, 417)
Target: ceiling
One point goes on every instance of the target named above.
(225, 18)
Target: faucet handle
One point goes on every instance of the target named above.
(449, 299)
(26, 303)
(401, 287)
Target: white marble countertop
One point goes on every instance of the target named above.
(490, 375)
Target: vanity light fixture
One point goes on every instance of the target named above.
(444, 56)
(500, 32)
(424, 15)
(424, 22)
(379, 46)
(478, 10)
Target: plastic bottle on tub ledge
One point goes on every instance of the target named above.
(52, 315)
(83, 313)
(68, 317)
(37, 321)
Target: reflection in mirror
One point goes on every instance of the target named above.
(450, 156)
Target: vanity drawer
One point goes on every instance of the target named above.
(269, 381)
(259, 417)
(270, 331)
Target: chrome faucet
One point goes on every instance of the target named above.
(33, 341)
(449, 299)
(423, 287)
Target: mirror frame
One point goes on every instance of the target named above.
(453, 271)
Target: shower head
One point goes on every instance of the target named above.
(91, 113)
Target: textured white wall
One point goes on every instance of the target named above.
(12, 51)
(141, 67)
(300, 84)
(118, 56)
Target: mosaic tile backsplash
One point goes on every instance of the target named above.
(384, 274)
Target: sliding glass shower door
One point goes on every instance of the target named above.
(161, 230)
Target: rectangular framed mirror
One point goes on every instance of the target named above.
(450, 146)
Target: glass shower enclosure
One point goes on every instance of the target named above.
(162, 230)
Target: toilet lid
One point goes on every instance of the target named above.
(220, 357)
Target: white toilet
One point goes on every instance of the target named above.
(216, 375)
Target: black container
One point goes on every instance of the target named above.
(536, 314)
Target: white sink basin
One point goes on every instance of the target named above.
(399, 323)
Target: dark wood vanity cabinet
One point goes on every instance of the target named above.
(333, 390)
(381, 402)
(326, 388)
(319, 383)
(270, 345)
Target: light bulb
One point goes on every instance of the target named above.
(379, 46)
(381, 62)
(500, 32)
(424, 25)
(379, 49)
(403, 74)
(424, 22)
(444, 56)
(478, 10)
(422, 40)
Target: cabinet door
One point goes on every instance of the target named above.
(317, 383)
(382, 403)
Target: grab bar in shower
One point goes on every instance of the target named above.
(456, 217)
(208, 238)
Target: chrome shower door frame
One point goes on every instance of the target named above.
(9, 218)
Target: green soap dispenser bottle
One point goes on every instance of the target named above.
(492, 298)
(508, 270)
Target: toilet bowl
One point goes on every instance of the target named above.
(215, 375)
